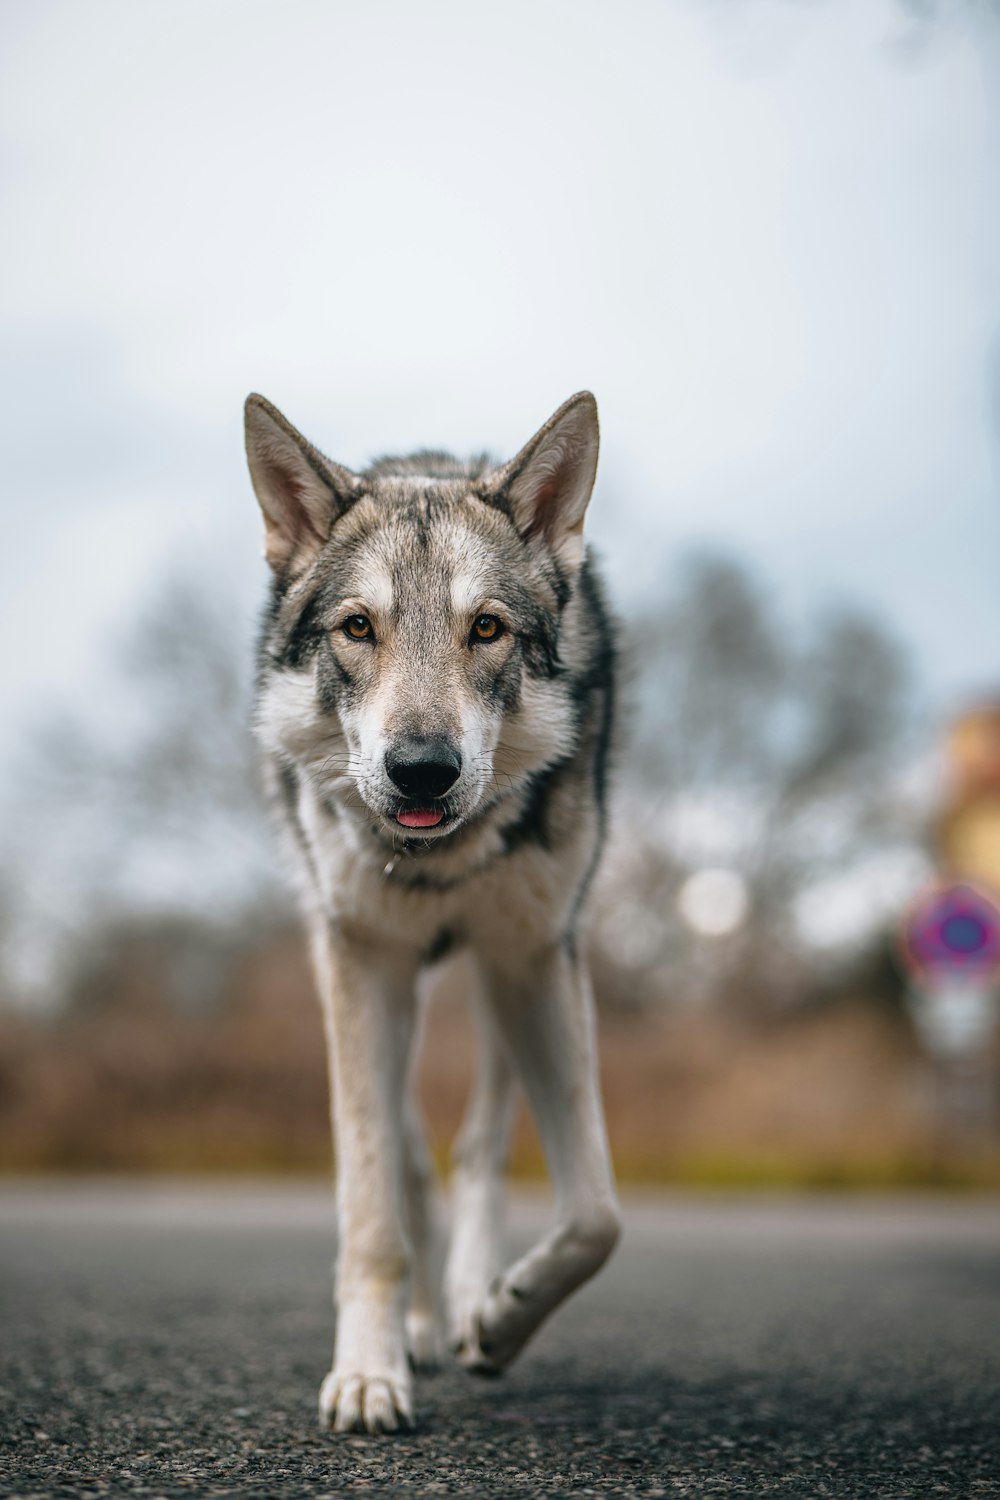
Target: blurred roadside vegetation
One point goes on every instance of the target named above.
(157, 1013)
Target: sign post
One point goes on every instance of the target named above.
(950, 945)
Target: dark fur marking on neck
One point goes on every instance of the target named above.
(442, 945)
(531, 827)
(288, 788)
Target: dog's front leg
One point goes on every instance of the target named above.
(368, 1006)
(543, 1008)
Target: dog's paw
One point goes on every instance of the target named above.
(424, 1344)
(463, 1329)
(466, 1343)
(351, 1402)
(496, 1331)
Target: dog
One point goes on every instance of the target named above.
(435, 707)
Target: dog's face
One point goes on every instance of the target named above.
(412, 663)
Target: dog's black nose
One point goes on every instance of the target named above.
(423, 767)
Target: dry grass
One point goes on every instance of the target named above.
(128, 1083)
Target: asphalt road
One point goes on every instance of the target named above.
(170, 1341)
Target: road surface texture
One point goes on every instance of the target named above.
(169, 1340)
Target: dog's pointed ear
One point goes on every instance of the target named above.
(548, 484)
(300, 493)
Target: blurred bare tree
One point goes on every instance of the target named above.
(772, 758)
(144, 811)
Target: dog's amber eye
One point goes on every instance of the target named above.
(487, 628)
(358, 627)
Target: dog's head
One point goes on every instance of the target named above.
(412, 662)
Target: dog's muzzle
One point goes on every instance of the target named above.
(424, 770)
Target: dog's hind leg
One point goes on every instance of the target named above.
(477, 1252)
(544, 1010)
(423, 1315)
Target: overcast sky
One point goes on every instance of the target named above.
(765, 234)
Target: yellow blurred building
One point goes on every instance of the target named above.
(967, 833)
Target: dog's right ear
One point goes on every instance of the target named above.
(300, 493)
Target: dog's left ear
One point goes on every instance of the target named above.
(548, 484)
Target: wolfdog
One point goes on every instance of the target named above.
(436, 693)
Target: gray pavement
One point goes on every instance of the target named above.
(169, 1340)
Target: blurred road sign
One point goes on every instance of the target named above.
(952, 932)
(950, 942)
(950, 937)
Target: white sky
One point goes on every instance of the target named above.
(765, 234)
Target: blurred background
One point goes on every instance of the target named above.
(767, 235)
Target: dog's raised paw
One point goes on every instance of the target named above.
(499, 1328)
(472, 1352)
(364, 1403)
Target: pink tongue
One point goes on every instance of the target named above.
(418, 817)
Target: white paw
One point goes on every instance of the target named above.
(497, 1329)
(464, 1333)
(423, 1341)
(351, 1402)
